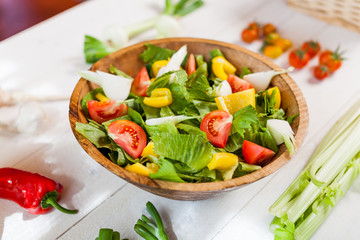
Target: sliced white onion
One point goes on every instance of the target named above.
(223, 89)
(261, 80)
(174, 62)
(174, 119)
(281, 132)
(115, 87)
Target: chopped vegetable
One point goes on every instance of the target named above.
(157, 65)
(139, 169)
(225, 162)
(281, 132)
(160, 97)
(174, 62)
(222, 67)
(129, 136)
(261, 80)
(331, 170)
(256, 154)
(223, 89)
(190, 65)
(149, 150)
(277, 96)
(145, 227)
(234, 102)
(115, 87)
(237, 84)
(174, 119)
(217, 126)
(141, 83)
(106, 110)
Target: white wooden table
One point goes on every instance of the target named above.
(45, 59)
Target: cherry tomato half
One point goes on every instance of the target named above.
(249, 34)
(141, 83)
(298, 58)
(190, 66)
(129, 136)
(321, 72)
(237, 84)
(106, 110)
(311, 47)
(331, 59)
(256, 154)
(217, 125)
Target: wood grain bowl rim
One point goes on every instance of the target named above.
(155, 186)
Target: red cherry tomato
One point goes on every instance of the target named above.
(268, 28)
(321, 72)
(128, 135)
(217, 126)
(298, 58)
(237, 84)
(106, 110)
(190, 66)
(249, 34)
(311, 47)
(331, 59)
(141, 83)
(256, 154)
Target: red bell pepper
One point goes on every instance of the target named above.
(35, 193)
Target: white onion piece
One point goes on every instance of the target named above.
(261, 80)
(281, 132)
(174, 62)
(174, 119)
(223, 89)
(115, 87)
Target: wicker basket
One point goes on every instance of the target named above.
(344, 13)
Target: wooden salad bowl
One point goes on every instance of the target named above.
(127, 60)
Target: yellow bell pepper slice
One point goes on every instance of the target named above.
(153, 167)
(139, 169)
(222, 67)
(160, 97)
(102, 97)
(157, 65)
(149, 150)
(225, 162)
(277, 96)
(236, 101)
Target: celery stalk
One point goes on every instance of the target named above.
(331, 170)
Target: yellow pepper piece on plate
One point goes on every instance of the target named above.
(222, 67)
(138, 168)
(236, 101)
(277, 96)
(102, 97)
(157, 65)
(149, 150)
(160, 97)
(225, 162)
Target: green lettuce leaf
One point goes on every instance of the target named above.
(94, 49)
(204, 175)
(186, 128)
(180, 97)
(118, 72)
(262, 137)
(205, 107)
(95, 133)
(166, 127)
(166, 171)
(154, 53)
(166, 112)
(192, 150)
(245, 71)
(265, 106)
(234, 142)
(89, 96)
(244, 118)
(200, 90)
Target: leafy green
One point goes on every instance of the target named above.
(184, 7)
(244, 118)
(234, 142)
(108, 234)
(192, 150)
(136, 117)
(265, 106)
(166, 127)
(89, 96)
(216, 53)
(200, 90)
(179, 77)
(245, 71)
(150, 112)
(118, 72)
(186, 128)
(154, 53)
(94, 133)
(180, 98)
(94, 49)
(166, 112)
(200, 71)
(205, 107)
(205, 175)
(261, 136)
(166, 171)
